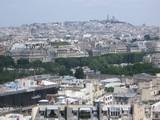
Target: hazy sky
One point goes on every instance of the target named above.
(17, 12)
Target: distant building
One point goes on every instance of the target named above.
(69, 51)
(153, 46)
(31, 53)
(153, 58)
(134, 48)
(139, 112)
(2, 50)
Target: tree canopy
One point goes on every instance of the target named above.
(79, 74)
(106, 64)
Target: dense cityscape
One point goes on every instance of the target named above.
(74, 70)
(79, 60)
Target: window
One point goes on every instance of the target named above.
(31, 83)
(156, 115)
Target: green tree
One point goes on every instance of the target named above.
(36, 64)
(64, 71)
(79, 74)
(6, 61)
(109, 89)
(23, 63)
(147, 37)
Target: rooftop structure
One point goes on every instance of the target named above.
(155, 110)
(12, 94)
